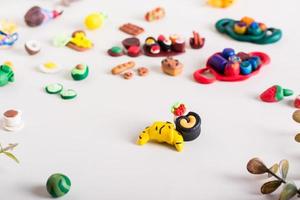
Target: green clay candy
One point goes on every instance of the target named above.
(80, 72)
(58, 185)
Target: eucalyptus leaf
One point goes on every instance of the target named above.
(10, 155)
(288, 192)
(256, 166)
(297, 137)
(284, 168)
(270, 186)
(273, 169)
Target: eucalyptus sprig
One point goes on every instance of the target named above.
(290, 190)
(7, 151)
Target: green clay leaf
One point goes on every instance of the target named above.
(284, 168)
(273, 169)
(10, 155)
(270, 186)
(288, 192)
(297, 137)
(256, 166)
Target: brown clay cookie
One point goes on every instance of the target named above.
(128, 75)
(122, 67)
(131, 29)
(143, 71)
(171, 66)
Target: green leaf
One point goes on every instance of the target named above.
(270, 186)
(273, 169)
(284, 168)
(288, 192)
(10, 155)
(256, 166)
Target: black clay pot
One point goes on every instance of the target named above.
(189, 126)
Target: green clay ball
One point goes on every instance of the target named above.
(58, 185)
(80, 72)
(116, 49)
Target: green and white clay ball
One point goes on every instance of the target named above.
(80, 72)
(58, 185)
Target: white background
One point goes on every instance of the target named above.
(92, 138)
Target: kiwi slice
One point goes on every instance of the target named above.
(68, 94)
(54, 88)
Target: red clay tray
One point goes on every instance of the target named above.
(200, 78)
(161, 54)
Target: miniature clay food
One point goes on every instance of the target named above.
(132, 41)
(6, 74)
(171, 66)
(162, 132)
(128, 75)
(49, 67)
(54, 88)
(179, 45)
(248, 30)
(68, 94)
(189, 126)
(122, 67)
(297, 102)
(275, 93)
(79, 41)
(94, 21)
(36, 15)
(58, 185)
(178, 109)
(196, 42)
(155, 14)
(32, 47)
(80, 72)
(115, 51)
(143, 71)
(12, 120)
(134, 51)
(164, 43)
(220, 3)
(131, 29)
(296, 116)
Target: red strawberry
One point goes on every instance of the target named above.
(275, 93)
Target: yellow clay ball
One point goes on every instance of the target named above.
(94, 21)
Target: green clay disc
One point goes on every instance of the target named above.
(58, 185)
(54, 88)
(68, 94)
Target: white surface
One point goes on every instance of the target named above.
(92, 138)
